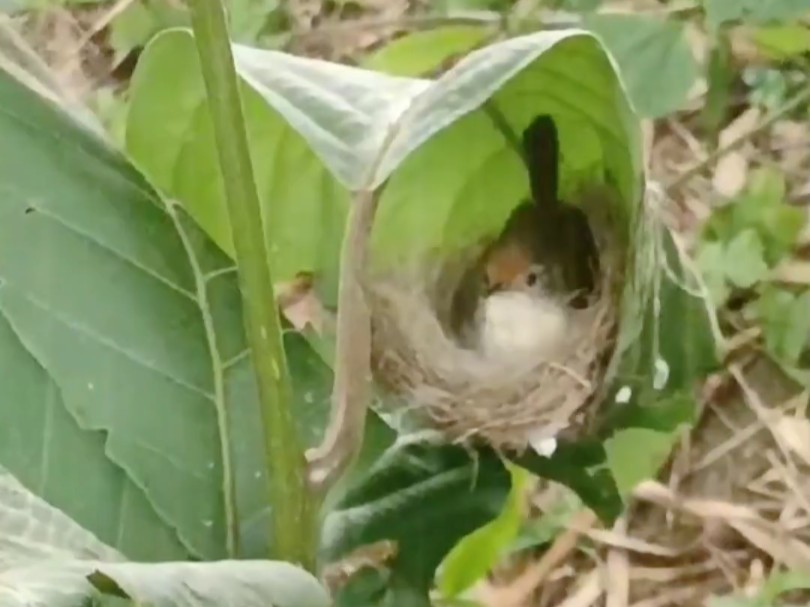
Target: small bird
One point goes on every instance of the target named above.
(520, 316)
(518, 296)
(543, 255)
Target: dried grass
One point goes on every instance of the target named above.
(737, 511)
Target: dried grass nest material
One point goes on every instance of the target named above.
(507, 403)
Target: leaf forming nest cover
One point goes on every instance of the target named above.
(508, 403)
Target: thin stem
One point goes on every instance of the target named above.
(293, 528)
(351, 392)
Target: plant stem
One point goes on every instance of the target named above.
(293, 526)
(343, 438)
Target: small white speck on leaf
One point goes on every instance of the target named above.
(210, 465)
(309, 398)
(257, 474)
(624, 394)
(661, 374)
(543, 439)
(91, 386)
(208, 523)
(545, 446)
(318, 475)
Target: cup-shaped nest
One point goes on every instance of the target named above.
(510, 402)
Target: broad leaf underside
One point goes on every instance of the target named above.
(120, 324)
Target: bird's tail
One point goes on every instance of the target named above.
(541, 147)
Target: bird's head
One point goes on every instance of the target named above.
(511, 268)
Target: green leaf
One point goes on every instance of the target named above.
(719, 12)
(541, 530)
(635, 455)
(247, 583)
(248, 18)
(122, 323)
(96, 290)
(38, 435)
(711, 259)
(785, 323)
(48, 559)
(745, 260)
(768, 87)
(660, 366)
(477, 553)
(581, 466)
(179, 157)
(656, 63)
(419, 53)
(783, 41)
(31, 530)
(131, 29)
(767, 185)
(111, 110)
(762, 209)
(422, 497)
(366, 127)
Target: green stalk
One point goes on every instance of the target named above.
(293, 530)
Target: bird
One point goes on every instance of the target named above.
(550, 230)
(541, 263)
(520, 316)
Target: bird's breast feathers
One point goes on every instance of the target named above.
(518, 323)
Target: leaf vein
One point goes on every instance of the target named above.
(217, 369)
(67, 225)
(88, 332)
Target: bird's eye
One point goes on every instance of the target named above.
(531, 279)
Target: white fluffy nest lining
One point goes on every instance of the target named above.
(507, 402)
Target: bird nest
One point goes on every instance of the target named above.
(509, 402)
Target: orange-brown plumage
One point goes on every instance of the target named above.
(505, 265)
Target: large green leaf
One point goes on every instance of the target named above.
(170, 137)
(122, 325)
(258, 583)
(424, 498)
(473, 557)
(66, 465)
(47, 559)
(436, 143)
(654, 57)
